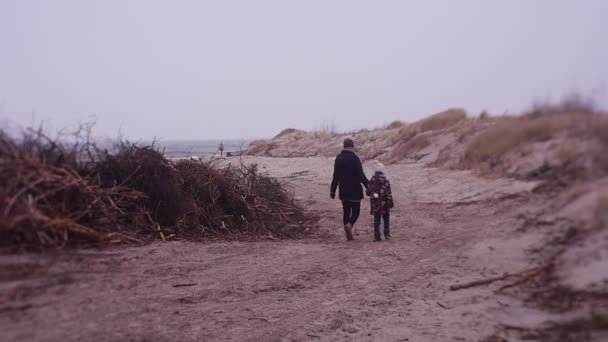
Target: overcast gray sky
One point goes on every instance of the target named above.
(236, 69)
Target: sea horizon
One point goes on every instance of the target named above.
(186, 148)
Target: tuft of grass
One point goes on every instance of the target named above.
(325, 131)
(569, 104)
(577, 329)
(507, 135)
(600, 215)
(443, 119)
(600, 131)
(61, 279)
(357, 131)
(286, 132)
(567, 153)
(414, 144)
(405, 133)
(395, 124)
(260, 147)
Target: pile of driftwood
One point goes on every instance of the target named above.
(54, 194)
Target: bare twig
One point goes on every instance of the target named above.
(185, 285)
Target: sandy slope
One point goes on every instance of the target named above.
(448, 227)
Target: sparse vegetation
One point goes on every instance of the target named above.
(286, 132)
(326, 131)
(567, 153)
(578, 329)
(407, 148)
(600, 131)
(507, 134)
(517, 146)
(600, 216)
(395, 124)
(405, 133)
(417, 143)
(443, 119)
(260, 146)
(570, 104)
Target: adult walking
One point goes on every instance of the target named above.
(348, 177)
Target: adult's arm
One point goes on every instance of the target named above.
(370, 189)
(334, 181)
(361, 174)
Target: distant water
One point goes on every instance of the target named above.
(199, 148)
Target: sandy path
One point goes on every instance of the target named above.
(448, 227)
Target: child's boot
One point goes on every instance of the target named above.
(377, 234)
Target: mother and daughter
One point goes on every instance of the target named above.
(348, 178)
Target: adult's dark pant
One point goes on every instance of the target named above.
(386, 219)
(351, 211)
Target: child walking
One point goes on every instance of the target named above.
(381, 201)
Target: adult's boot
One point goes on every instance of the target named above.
(348, 230)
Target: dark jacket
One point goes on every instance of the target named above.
(381, 186)
(348, 175)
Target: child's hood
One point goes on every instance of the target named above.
(378, 167)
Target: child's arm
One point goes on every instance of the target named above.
(389, 194)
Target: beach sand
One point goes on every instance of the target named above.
(448, 227)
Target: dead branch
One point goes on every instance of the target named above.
(480, 282)
(53, 194)
(185, 285)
